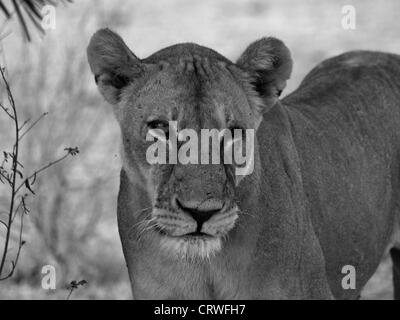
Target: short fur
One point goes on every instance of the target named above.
(324, 192)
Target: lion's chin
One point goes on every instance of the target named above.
(191, 247)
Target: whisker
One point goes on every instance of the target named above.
(143, 219)
(145, 226)
(142, 210)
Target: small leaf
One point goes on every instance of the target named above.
(34, 179)
(72, 151)
(28, 186)
(19, 173)
(82, 282)
(24, 207)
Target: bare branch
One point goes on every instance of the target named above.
(50, 164)
(11, 173)
(14, 170)
(23, 125)
(6, 111)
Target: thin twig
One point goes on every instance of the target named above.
(32, 125)
(3, 223)
(25, 122)
(41, 170)
(70, 292)
(6, 111)
(21, 243)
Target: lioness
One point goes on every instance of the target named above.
(324, 193)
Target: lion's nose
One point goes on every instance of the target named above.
(200, 211)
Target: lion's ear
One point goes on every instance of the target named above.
(269, 64)
(114, 66)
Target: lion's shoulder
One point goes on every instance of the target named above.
(350, 66)
(347, 74)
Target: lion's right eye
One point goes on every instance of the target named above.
(159, 125)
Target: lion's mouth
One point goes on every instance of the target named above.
(183, 236)
(198, 234)
(192, 246)
(189, 236)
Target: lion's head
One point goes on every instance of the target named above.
(193, 205)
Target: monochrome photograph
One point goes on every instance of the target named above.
(173, 150)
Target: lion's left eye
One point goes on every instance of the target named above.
(237, 132)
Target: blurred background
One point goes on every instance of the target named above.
(72, 219)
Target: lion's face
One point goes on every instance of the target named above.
(192, 203)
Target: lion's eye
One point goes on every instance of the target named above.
(159, 125)
(237, 132)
